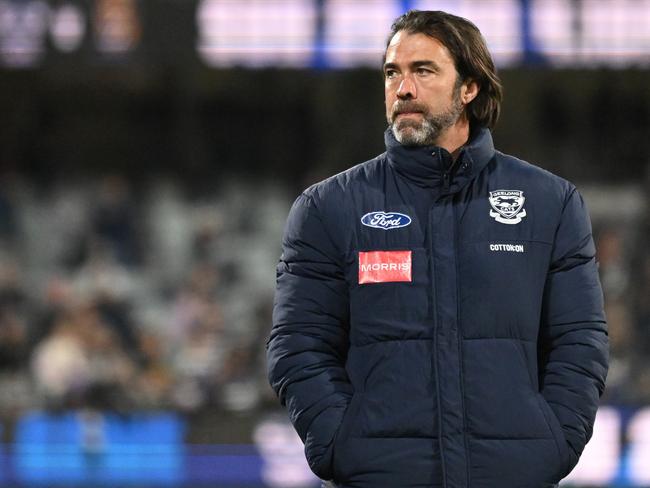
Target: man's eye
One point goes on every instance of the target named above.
(423, 71)
(390, 74)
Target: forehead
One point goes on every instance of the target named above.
(405, 48)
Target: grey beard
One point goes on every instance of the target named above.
(427, 132)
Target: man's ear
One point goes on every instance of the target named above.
(468, 91)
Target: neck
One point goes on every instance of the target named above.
(455, 137)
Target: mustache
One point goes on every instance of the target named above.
(402, 106)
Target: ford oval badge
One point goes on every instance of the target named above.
(385, 220)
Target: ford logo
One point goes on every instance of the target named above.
(385, 220)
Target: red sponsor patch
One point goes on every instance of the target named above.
(384, 266)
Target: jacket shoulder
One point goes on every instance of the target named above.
(333, 200)
(336, 188)
(542, 180)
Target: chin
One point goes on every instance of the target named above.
(410, 136)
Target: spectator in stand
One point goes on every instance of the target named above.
(13, 340)
(155, 381)
(82, 364)
(11, 283)
(111, 370)
(614, 275)
(7, 215)
(114, 220)
(60, 364)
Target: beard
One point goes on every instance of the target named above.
(427, 131)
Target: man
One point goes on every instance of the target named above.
(438, 318)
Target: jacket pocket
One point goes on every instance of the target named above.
(558, 435)
(339, 456)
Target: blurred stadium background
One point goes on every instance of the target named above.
(149, 152)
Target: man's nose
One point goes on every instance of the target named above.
(407, 88)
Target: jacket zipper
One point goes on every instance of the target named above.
(459, 338)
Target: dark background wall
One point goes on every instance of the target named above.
(296, 126)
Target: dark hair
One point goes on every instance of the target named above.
(469, 52)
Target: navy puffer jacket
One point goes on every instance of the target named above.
(440, 328)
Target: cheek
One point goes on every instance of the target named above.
(389, 111)
(389, 100)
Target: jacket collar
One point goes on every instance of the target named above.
(432, 166)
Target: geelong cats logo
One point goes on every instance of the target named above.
(508, 206)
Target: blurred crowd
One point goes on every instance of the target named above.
(122, 295)
(624, 264)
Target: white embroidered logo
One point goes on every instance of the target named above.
(508, 206)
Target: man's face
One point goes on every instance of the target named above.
(421, 88)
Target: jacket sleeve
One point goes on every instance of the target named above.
(573, 332)
(308, 344)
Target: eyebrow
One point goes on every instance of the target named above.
(415, 65)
